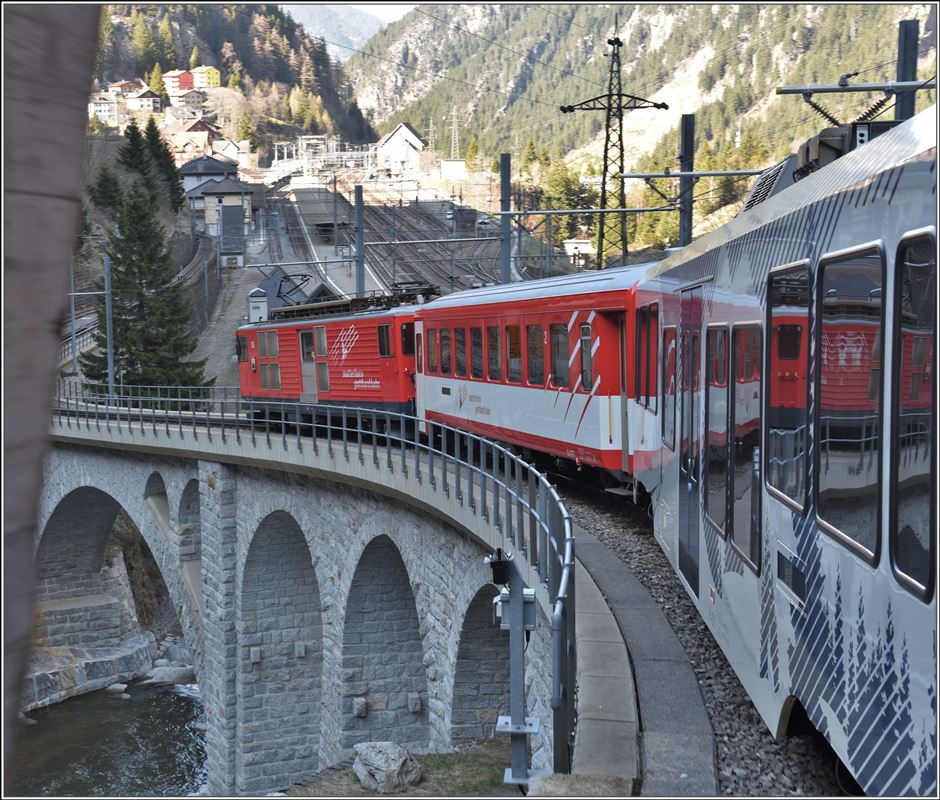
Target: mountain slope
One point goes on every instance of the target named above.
(506, 69)
(344, 25)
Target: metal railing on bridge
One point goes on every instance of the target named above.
(499, 487)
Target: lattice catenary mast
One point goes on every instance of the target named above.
(614, 103)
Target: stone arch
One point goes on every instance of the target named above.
(72, 543)
(156, 498)
(280, 661)
(481, 673)
(385, 687)
(189, 523)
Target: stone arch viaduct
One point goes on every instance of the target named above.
(328, 597)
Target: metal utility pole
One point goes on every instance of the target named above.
(908, 34)
(686, 164)
(108, 326)
(454, 138)
(505, 244)
(334, 210)
(614, 103)
(360, 247)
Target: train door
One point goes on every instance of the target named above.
(625, 361)
(308, 368)
(690, 326)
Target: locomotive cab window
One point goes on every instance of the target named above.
(848, 423)
(913, 520)
(306, 346)
(408, 338)
(241, 348)
(319, 341)
(385, 341)
(788, 389)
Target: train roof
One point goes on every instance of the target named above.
(580, 283)
(906, 142)
(301, 322)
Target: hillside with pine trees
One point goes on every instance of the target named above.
(282, 80)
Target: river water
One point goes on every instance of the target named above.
(99, 745)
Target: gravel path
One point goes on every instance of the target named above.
(750, 762)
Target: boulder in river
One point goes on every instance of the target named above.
(171, 675)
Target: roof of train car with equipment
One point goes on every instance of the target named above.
(301, 322)
(902, 144)
(623, 278)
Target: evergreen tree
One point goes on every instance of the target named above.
(246, 130)
(234, 80)
(194, 57)
(150, 313)
(133, 154)
(167, 48)
(105, 43)
(155, 82)
(473, 150)
(143, 46)
(162, 159)
(105, 192)
(529, 157)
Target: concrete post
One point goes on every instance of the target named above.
(686, 184)
(217, 497)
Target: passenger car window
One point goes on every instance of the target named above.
(745, 454)
(848, 423)
(716, 425)
(536, 349)
(914, 490)
(787, 423)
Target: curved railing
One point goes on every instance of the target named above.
(500, 490)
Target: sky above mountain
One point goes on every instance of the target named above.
(387, 12)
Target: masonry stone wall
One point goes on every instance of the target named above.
(280, 642)
(481, 680)
(385, 687)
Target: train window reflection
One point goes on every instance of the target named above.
(536, 344)
(669, 387)
(385, 341)
(432, 350)
(914, 505)
(745, 519)
(513, 354)
(559, 350)
(848, 444)
(460, 352)
(445, 351)
(587, 377)
(408, 338)
(494, 357)
(716, 425)
(476, 352)
(788, 303)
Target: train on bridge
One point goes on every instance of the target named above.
(769, 391)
